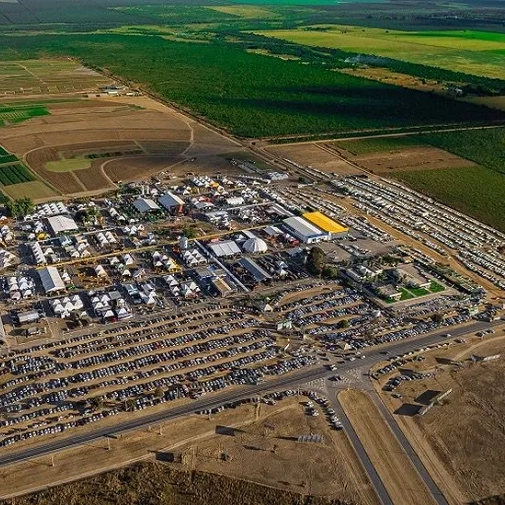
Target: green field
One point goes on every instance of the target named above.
(472, 52)
(250, 94)
(419, 291)
(178, 14)
(486, 147)
(435, 287)
(477, 191)
(14, 174)
(13, 114)
(68, 165)
(246, 11)
(377, 145)
(8, 158)
(33, 189)
(406, 295)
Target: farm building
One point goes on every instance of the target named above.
(221, 286)
(29, 316)
(51, 280)
(224, 249)
(145, 205)
(304, 230)
(332, 227)
(254, 269)
(412, 280)
(61, 224)
(171, 202)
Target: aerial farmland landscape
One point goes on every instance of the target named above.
(252, 252)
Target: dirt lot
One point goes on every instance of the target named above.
(260, 449)
(138, 167)
(315, 156)
(395, 469)
(407, 159)
(461, 440)
(105, 125)
(47, 77)
(266, 452)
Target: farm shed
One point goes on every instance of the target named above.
(221, 286)
(171, 202)
(145, 205)
(51, 279)
(29, 316)
(304, 230)
(61, 224)
(254, 269)
(224, 249)
(332, 227)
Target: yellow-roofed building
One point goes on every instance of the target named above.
(325, 223)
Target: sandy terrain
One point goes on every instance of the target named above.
(313, 155)
(261, 451)
(109, 125)
(403, 483)
(460, 441)
(267, 453)
(415, 158)
(138, 167)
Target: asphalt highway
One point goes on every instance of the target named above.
(290, 381)
(433, 488)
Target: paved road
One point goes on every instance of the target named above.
(367, 464)
(373, 355)
(430, 483)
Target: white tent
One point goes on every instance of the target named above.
(51, 279)
(100, 271)
(255, 245)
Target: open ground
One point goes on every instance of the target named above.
(457, 439)
(87, 146)
(47, 77)
(260, 446)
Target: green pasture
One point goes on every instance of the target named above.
(486, 146)
(69, 165)
(472, 52)
(377, 145)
